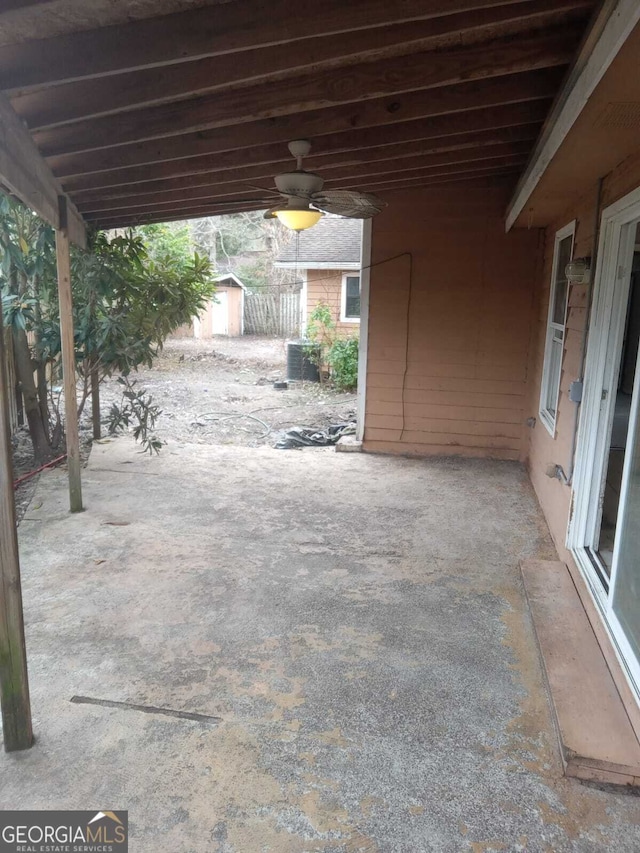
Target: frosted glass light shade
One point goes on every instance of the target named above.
(298, 220)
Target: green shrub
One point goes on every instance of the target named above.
(343, 361)
(327, 348)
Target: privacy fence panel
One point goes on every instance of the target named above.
(272, 313)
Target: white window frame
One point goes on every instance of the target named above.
(546, 415)
(343, 298)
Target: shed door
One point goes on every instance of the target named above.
(220, 315)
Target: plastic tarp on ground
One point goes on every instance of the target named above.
(299, 437)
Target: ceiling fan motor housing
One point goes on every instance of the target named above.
(299, 183)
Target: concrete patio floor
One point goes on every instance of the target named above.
(357, 625)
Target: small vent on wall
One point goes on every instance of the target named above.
(622, 115)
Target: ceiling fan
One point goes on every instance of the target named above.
(306, 200)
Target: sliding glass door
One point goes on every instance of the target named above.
(605, 530)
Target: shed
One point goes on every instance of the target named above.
(222, 315)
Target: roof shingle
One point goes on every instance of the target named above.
(333, 240)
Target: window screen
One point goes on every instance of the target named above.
(554, 348)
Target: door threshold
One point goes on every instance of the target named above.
(597, 740)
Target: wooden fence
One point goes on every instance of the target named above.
(272, 313)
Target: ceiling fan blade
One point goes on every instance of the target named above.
(350, 203)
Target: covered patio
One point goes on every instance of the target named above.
(341, 641)
(258, 651)
(114, 114)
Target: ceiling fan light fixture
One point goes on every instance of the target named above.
(300, 189)
(298, 219)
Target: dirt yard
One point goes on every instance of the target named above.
(220, 391)
(217, 391)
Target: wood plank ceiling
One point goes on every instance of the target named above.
(148, 117)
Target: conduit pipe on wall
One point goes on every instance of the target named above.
(567, 479)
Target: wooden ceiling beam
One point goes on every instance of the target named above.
(368, 117)
(460, 143)
(206, 208)
(207, 31)
(462, 174)
(224, 195)
(483, 177)
(378, 183)
(335, 87)
(13, 5)
(241, 177)
(240, 194)
(96, 97)
(25, 174)
(490, 176)
(509, 154)
(425, 130)
(128, 219)
(178, 216)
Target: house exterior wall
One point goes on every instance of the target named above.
(447, 359)
(545, 450)
(326, 286)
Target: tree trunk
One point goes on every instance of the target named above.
(19, 404)
(24, 373)
(43, 395)
(95, 398)
(41, 366)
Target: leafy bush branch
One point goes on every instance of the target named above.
(137, 409)
(130, 291)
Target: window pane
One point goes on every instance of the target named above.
(352, 306)
(626, 595)
(561, 284)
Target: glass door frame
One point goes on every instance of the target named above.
(604, 350)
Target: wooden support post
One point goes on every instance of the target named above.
(95, 399)
(68, 359)
(14, 681)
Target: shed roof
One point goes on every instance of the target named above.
(151, 111)
(229, 279)
(333, 243)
